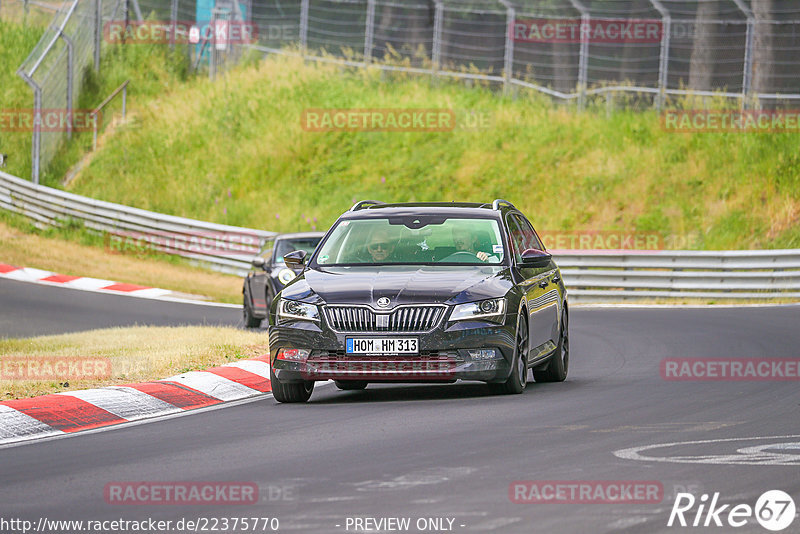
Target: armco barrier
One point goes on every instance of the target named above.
(590, 276)
(231, 250)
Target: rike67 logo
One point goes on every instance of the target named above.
(774, 510)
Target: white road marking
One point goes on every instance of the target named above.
(755, 455)
(252, 366)
(214, 385)
(127, 403)
(15, 425)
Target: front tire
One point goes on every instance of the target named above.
(350, 385)
(556, 370)
(292, 391)
(250, 321)
(519, 373)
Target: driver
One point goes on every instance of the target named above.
(466, 241)
(381, 246)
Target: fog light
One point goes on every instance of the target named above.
(294, 355)
(481, 354)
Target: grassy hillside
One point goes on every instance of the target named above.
(235, 152)
(152, 69)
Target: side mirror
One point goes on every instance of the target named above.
(536, 258)
(258, 261)
(295, 259)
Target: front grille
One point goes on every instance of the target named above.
(401, 319)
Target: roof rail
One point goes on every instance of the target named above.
(365, 203)
(498, 201)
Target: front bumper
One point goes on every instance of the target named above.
(443, 354)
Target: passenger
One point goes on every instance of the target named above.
(466, 241)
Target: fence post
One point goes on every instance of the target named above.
(508, 59)
(173, 21)
(436, 53)
(98, 32)
(36, 141)
(304, 28)
(747, 80)
(663, 60)
(369, 32)
(747, 68)
(70, 78)
(583, 62)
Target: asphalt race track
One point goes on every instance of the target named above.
(34, 310)
(441, 451)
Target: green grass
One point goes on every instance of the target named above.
(234, 152)
(152, 70)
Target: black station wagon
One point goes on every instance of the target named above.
(423, 292)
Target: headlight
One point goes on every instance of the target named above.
(483, 309)
(286, 276)
(291, 309)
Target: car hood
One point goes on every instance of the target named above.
(401, 284)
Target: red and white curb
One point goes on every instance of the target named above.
(85, 283)
(65, 413)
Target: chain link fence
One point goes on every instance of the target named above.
(633, 52)
(54, 71)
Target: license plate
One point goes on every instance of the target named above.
(382, 345)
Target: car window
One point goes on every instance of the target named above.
(516, 237)
(266, 250)
(285, 246)
(412, 239)
(530, 239)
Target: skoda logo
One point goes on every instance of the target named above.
(383, 302)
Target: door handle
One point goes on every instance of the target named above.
(543, 284)
(556, 279)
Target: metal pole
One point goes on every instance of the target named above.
(369, 31)
(212, 57)
(508, 60)
(137, 11)
(304, 27)
(36, 141)
(173, 19)
(98, 32)
(747, 74)
(125, 15)
(70, 76)
(437, 37)
(747, 80)
(663, 60)
(583, 63)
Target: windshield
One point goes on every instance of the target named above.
(285, 246)
(413, 240)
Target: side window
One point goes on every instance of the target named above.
(531, 239)
(266, 250)
(516, 236)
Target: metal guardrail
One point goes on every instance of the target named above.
(610, 276)
(221, 247)
(590, 276)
